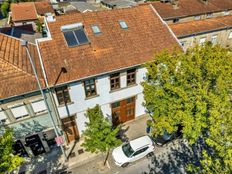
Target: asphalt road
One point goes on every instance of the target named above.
(171, 159)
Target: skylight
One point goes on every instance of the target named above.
(96, 29)
(123, 24)
(74, 35)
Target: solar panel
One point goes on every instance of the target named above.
(123, 24)
(70, 38)
(96, 29)
(81, 36)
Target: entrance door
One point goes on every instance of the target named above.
(19, 149)
(70, 128)
(35, 144)
(123, 111)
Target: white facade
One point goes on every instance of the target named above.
(79, 104)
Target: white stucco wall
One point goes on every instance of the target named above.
(104, 98)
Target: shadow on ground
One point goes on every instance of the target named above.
(45, 164)
(175, 159)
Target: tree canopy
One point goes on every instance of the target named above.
(99, 135)
(194, 89)
(8, 161)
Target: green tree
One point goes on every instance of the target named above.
(194, 89)
(8, 161)
(5, 8)
(99, 136)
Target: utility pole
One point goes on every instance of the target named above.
(25, 45)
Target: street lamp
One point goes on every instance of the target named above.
(25, 44)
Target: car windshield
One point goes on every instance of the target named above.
(127, 149)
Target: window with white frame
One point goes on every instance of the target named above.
(202, 40)
(19, 111)
(209, 15)
(226, 12)
(214, 39)
(230, 35)
(197, 17)
(39, 106)
(3, 118)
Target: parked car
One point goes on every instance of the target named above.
(133, 150)
(166, 137)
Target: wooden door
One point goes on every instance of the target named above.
(123, 111)
(70, 128)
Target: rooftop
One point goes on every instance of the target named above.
(84, 6)
(201, 26)
(16, 76)
(193, 8)
(118, 3)
(112, 49)
(43, 7)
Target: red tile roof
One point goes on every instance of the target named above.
(191, 8)
(23, 11)
(16, 76)
(115, 48)
(43, 7)
(194, 27)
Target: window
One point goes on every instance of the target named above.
(230, 35)
(183, 43)
(214, 39)
(197, 17)
(19, 111)
(202, 40)
(131, 77)
(90, 88)
(115, 105)
(62, 95)
(96, 29)
(115, 81)
(74, 35)
(127, 149)
(226, 12)
(123, 24)
(3, 118)
(209, 15)
(39, 106)
(140, 151)
(176, 20)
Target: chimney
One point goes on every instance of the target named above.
(175, 4)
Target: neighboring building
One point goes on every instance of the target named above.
(29, 12)
(95, 58)
(217, 30)
(21, 105)
(118, 3)
(84, 7)
(173, 11)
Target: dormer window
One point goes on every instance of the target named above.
(123, 24)
(74, 35)
(96, 29)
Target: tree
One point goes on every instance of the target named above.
(194, 89)
(5, 8)
(8, 161)
(99, 136)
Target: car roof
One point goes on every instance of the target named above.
(140, 142)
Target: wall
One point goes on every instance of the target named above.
(222, 38)
(105, 97)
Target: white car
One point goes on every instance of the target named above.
(133, 150)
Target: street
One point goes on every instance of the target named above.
(171, 158)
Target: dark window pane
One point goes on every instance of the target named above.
(115, 105)
(81, 37)
(70, 38)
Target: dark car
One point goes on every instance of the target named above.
(166, 137)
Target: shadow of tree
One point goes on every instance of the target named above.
(176, 158)
(122, 133)
(45, 163)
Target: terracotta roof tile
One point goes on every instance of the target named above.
(23, 11)
(191, 8)
(43, 7)
(194, 27)
(113, 49)
(16, 76)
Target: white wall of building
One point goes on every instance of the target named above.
(79, 104)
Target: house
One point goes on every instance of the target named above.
(173, 11)
(118, 3)
(96, 58)
(84, 6)
(217, 30)
(21, 105)
(29, 12)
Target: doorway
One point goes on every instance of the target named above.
(70, 128)
(35, 144)
(123, 111)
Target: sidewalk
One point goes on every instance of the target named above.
(132, 129)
